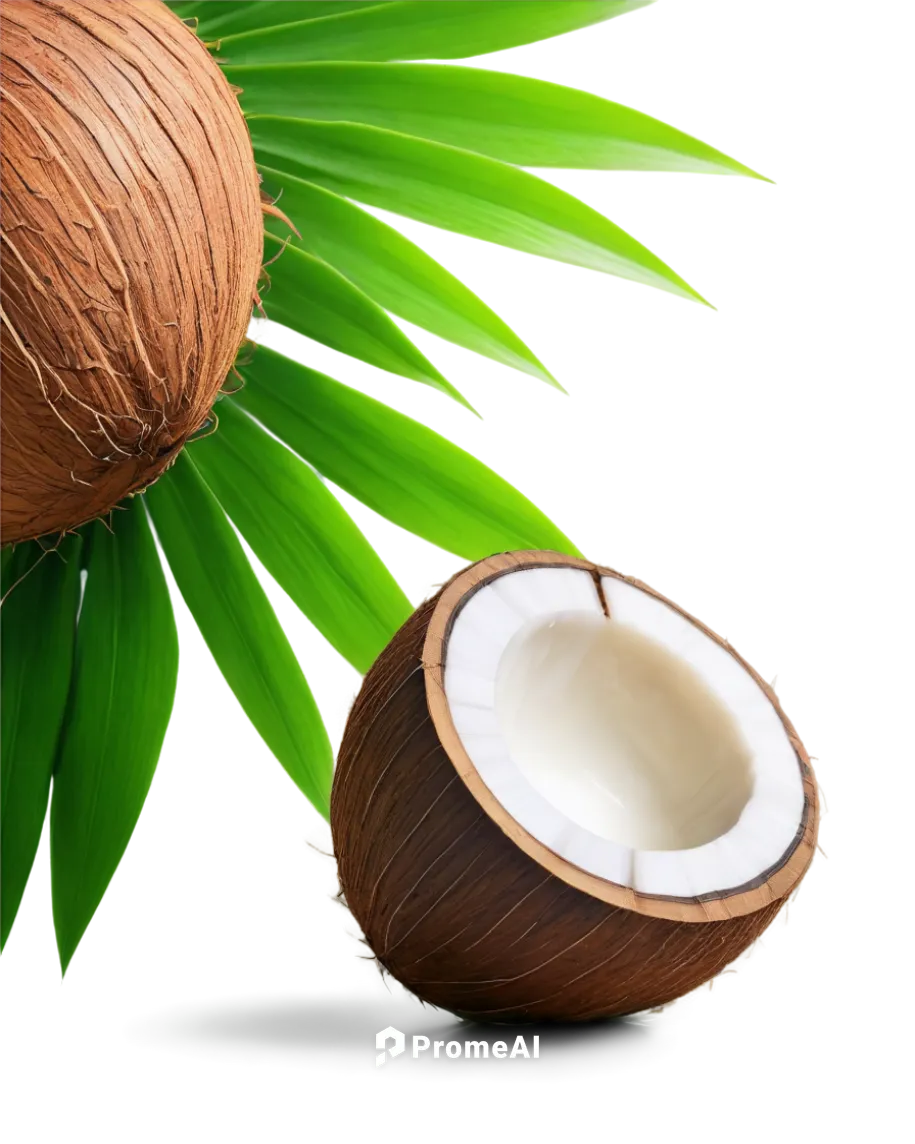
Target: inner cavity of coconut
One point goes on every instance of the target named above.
(621, 735)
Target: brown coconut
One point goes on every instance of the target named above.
(131, 248)
(469, 910)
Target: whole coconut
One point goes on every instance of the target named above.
(131, 247)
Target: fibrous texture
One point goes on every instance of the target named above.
(478, 913)
(132, 240)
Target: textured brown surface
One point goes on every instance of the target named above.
(131, 247)
(457, 911)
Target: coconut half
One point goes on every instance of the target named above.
(560, 796)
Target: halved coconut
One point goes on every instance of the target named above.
(561, 797)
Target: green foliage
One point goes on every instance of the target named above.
(303, 536)
(229, 17)
(240, 627)
(427, 30)
(393, 271)
(336, 115)
(38, 630)
(457, 190)
(126, 666)
(393, 464)
(312, 298)
(508, 117)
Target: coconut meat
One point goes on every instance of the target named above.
(628, 741)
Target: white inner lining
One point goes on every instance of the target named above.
(635, 747)
(619, 734)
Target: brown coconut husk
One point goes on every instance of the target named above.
(131, 247)
(468, 910)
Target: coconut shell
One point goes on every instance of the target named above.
(470, 912)
(131, 248)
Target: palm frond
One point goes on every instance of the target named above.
(125, 671)
(427, 30)
(457, 190)
(229, 17)
(240, 627)
(393, 271)
(38, 630)
(312, 298)
(391, 463)
(303, 536)
(518, 120)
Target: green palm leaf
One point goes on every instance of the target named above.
(38, 629)
(228, 17)
(303, 536)
(429, 30)
(240, 627)
(328, 674)
(457, 190)
(396, 466)
(393, 271)
(311, 297)
(508, 117)
(125, 671)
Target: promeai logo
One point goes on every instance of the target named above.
(381, 1041)
(453, 1050)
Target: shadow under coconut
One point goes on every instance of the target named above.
(331, 1029)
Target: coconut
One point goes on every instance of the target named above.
(560, 797)
(132, 244)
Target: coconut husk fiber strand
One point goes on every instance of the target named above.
(453, 907)
(131, 248)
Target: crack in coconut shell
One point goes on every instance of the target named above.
(132, 243)
(470, 911)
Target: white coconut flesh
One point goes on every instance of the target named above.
(627, 741)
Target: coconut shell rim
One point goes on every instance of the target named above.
(772, 884)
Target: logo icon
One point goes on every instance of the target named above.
(381, 1042)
